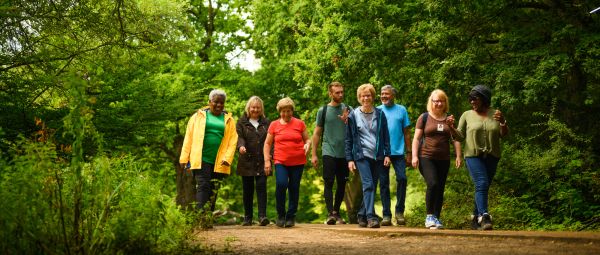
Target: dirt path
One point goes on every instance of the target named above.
(350, 239)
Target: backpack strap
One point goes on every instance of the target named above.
(423, 123)
(323, 113)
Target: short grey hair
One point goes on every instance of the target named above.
(216, 92)
(389, 87)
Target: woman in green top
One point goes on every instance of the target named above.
(208, 148)
(481, 129)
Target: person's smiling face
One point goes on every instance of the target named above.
(255, 110)
(286, 114)
(387, 97)
(439, 103)
(366, 99)
(476, 103)
(217, 104)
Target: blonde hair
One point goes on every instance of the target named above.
(285, 102)
(365, 87)
(252, 100)
(442, 95)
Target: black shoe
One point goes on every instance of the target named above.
(475, 222)
(362, 222)
(486, 222)
(263, 221)
(247, 221)
(373, 224)
(280, 222)
(338, 218)
(290, 222)
(330, 219)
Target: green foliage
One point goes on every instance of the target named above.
(562, 176)
(122, 209)
(421, 45)
(104, 88)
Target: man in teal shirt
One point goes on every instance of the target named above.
(398, 126)
(335, 168)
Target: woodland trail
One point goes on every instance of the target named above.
(350, 239)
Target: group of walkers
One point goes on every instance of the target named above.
(366, 140)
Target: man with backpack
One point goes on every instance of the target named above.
(330, 124)
(398, 126)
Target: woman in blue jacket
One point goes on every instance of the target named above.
(367, 149)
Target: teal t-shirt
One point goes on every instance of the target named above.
(213, 134)
(335, 131)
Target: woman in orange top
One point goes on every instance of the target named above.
(292, 143)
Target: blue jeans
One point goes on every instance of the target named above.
(369, 170)
(287, 178)
(384, 186)
(482, 170)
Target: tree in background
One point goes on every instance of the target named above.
(538, 56)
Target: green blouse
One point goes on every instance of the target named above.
(480, 135)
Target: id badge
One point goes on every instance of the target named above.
(440, 127)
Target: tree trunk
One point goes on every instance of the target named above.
(186, 188)
(185, 182)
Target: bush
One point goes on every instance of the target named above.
(121, 209)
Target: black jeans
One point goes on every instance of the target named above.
(261, 195)
(207, 185)
(435, 173)
(334, 169)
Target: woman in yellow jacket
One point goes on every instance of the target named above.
(208, 148)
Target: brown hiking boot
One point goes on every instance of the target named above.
(386, 221)
(373, 224)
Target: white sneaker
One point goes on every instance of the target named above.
(430, 221)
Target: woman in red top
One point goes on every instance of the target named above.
(292, 144)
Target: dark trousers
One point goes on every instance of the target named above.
(261, 195)
(207, 185)
(435, 173)
(334, 169)
(399, 164)
(287, 178)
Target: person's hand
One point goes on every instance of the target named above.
(351, 166)
(243, 150)
(408, 159)
(268, 167)
(344, 116)
(306, 148)
(415, 162)
(498, 116)
(458, 162)
(315, 161)
(183, 165)
(450, 121)
(387, 161)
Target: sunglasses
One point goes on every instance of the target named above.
(473, 98)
